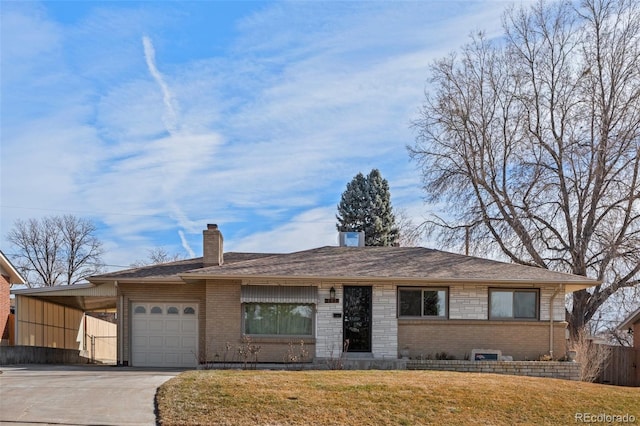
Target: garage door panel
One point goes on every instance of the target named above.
(156, 325)
(188, 341)
(172, 358)
(140, 342)
(172, 342)
(139, 358)
(189, 326)
(172, 326)
(164, 334)
(155, 358)
(186, 358)
(156, 342)
(139, 325)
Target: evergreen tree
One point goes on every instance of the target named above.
(366, 206)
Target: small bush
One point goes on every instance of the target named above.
(593, 358)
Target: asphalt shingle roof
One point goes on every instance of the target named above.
(383, 262)
(351, 263)
(174, 269)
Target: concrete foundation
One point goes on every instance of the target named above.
(39, 355)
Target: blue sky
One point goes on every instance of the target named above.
(156, 118)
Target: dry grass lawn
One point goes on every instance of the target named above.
(383, 398)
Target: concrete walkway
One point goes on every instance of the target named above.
(79, 395)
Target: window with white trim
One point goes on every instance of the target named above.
(422, 302)
(513, 304)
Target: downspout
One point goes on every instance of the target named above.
(119, 312)
(553, 298)
(16, 338)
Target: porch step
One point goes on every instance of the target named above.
(358, 355)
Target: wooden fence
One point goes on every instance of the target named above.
(100, 339)
(10, 330)
(623, 368)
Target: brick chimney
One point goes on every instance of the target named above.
(212, 246)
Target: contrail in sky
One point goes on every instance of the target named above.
(170, 119)
(185, 244)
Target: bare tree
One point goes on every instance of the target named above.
(56, 250)
(156, 256)
(409, 234)
(532, 144)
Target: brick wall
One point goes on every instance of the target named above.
(328, 329)
(224, 329)
(520, 339)
(384, 322)
(468, 301)
(223, 318)
(558, 370)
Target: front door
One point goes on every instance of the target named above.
(357, 319)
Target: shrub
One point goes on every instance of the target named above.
(593, 358)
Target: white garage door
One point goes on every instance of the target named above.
(164, 334)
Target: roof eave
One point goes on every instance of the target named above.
(570, 286)
(139, 280)
(14, 275)
(630, 321)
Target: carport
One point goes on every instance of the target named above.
(67, 318)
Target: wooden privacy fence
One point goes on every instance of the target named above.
(99, 340)
(623, 368)
(11, 329)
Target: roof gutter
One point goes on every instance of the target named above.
(570, 286)
(551, 302)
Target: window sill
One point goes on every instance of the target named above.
(281, 339)
(423, 318)
(488, 322)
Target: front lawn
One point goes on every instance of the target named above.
(372, 397)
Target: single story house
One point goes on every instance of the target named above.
(8, 275)
(372, 302)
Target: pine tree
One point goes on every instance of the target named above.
(366, 206)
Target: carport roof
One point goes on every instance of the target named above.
(86, 296)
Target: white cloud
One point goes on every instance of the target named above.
(312, 228)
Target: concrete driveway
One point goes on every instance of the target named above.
(79, 395)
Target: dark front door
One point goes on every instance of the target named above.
(357, 318)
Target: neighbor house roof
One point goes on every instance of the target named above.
(630, 321)
(357, 263)
(10, 270)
